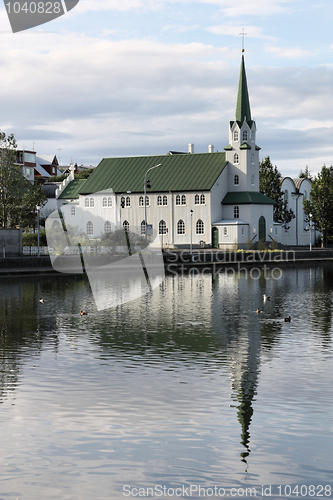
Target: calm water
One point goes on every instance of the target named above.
(185, 388)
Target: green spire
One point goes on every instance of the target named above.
(243, 103)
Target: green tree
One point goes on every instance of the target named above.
(18, 197)
(270, 184)
(320, 204)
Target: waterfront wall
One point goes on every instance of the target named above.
(10, 242)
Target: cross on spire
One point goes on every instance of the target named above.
(243, 34)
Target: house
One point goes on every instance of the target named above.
(46, 167)
(186, 198)
(26, 160)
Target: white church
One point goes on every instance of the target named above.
(208, 199)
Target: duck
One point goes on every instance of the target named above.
(287, 319)
(266, 297)
(258, 311)
(42, 301)
(83, 313)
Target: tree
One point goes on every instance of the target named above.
(18, 197)
(320, 204)
(270, 184)
(306, 174)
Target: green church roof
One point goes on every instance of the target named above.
(185, 172)
(246, 198)
(71, 191)
(243, 110)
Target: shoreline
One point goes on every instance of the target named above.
(183, 259)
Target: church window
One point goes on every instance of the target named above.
(178, 199)
(143, 225)
(165, 200)
(286, 197)
(252, 180)
(180, 227)
(159, 200)
(107, 227)
(92, 202)
(243, 231)
(162, 227)
(236, 212)
(202, 199)
(183, 199)
(236, 158)
(126, 225)
(72, 210)
(86, 202)
(105, 202)
(236, 180)
(90, 228)
(252, 158)
(109, 201)
(200, 227)
(225, 231)
(147, 201)
(141, 203)
(236, 135)
(245, 135)
(197, 199)
(128, 201)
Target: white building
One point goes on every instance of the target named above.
(210, 198)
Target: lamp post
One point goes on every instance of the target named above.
(145, 196)
(191, 212)
(310, 228)
(38, 214)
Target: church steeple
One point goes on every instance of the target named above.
(243, 110)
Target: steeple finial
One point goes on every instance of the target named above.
(243, 34)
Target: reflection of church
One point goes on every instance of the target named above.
(212, 197)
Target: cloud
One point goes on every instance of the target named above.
(290, 52)
(251, 31)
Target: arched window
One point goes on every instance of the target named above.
(236, 135)
(244, 135)
(72, 210)
(86, 202)
(178, 199)
(180, 227)
(141, 202)
(126, 225)
(90, 228)
(252, 158)
(252, 180)
(92, 202)
(236, 180)
(162, 227)
(286, 197)
(236, 158)
(143, 225)
(159, 200)
(105, 202)
(107, 227)
(183, 199)
(147, 201)
(200, 227)
(202, 199)
(55, 225)
(236, 212)
(196, 199)
(109, 201)
(165, 200)
(128, 201)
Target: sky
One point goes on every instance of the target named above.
(143, 77)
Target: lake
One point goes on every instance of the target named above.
(184, 392)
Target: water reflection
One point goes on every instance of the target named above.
(187, 382)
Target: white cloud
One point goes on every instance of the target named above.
(290, 52)
(251, 31)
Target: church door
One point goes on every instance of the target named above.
(262, 228)
(215, 237)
